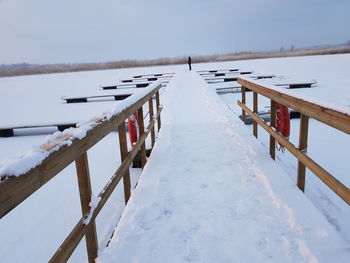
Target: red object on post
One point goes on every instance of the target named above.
(283, 120)
(133, 128)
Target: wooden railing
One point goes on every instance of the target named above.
(14, 190)
(307, 109)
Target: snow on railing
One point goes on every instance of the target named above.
(334, 116)
(22, 176)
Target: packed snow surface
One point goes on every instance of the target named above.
(210, 193)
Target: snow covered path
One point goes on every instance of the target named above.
(210, 193)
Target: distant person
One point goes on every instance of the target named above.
(189, 63)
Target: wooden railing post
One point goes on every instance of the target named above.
(303, 134)
(123, 154)
(243, 101)
(307, 109)
(14, 190)
(158, 105)
(151, 116)
(273, 125)
(85, 192)
(141, 130)
(255, 110)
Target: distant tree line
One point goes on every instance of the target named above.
(29, 69)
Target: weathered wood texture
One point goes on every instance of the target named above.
(142, 130)
(243, 101)
(123, 154)
(151, 116)
(333, 118)
(272, 125)
(158, 106)
(303, 134)
(80, 229)
(83, 174)
(255, 110)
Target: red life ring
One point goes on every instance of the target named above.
(133, 128)
(283, 120)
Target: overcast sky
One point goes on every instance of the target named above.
(65, 31)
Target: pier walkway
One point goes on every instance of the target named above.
(210, 193)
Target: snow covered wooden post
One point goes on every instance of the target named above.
(255, 110)
(123, 154)
(83, 174)
(151, 116)
(142, 130)
(273, 125)
(158, 107)
(303, 134)
(243, 101)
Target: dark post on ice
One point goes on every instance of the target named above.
(189, 63)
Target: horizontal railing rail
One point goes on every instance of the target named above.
(308, 109)
(66, 149)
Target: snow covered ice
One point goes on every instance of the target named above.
(209, 193)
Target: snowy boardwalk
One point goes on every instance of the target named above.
(210, 193)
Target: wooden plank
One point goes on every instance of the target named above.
(303, 134)
(158, 106)
(141, 131)
(273, 125)
(243, 101)
(340, 189)
(255, 110)
(71, 242)
(49, 146)
(85, 192)
(331, 117)
(14, 190)
(151, 116)
(123, 154)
